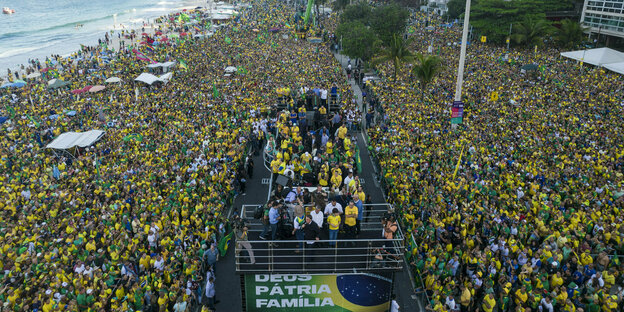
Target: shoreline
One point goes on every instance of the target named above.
(148, 24)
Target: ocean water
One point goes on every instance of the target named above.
(40, 28)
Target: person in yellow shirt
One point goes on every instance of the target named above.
(329, 147)
(351, 213)
(488, 303)
(323, 113)
(334, 225)
(336, 181)
(341, 133)
(521, 296)
(323, 178)
(275, 164)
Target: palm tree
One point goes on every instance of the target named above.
(397, 52)
(570, 33)
(530, 31)
(427, 68)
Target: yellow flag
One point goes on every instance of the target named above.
(483, 39)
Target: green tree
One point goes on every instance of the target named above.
(569, 33)
(427, 68)
(456, 8)
(340, 5)
(492, 18)
(359, 12)
(358, 40)
(531, 31)
(397, 52)
(388, 20)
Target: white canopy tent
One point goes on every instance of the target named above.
(150, 79)
(603, 57)
(68, 140)
(615, 67)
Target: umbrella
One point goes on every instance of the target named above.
(71, 113)
(144, 35)
(143, 42)
(274, 29)
(57, 83)
(97, 88)
(18, 84)
(183, 34)
(256, 30)
(230, 69)
(33, 75)
(529, 67)
(87, 88)
(113, 80)
(163, 39)
(174, 36)
(158, 32)
(77, 91)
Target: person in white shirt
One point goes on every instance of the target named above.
(394, 306)
(317, 217)
(546, 305)
(451, 304)
(159, 264)
(80, 267)
(349, 178)
(330, 207)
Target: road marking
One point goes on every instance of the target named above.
(266, 181)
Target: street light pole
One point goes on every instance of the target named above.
(509, 39)
(462, 55)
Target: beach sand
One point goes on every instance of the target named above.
(115, 40)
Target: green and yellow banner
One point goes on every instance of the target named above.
(323, 292)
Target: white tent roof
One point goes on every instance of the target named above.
(616, 67)
(150, 79)
(68, 140)
(598, 57)
(165, 77)
(147, 78)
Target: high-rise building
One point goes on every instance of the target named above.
(437, 6)
(604, 17)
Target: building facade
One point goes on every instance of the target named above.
(604, 17)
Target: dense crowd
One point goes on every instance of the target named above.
(124, 224)
(532, 217)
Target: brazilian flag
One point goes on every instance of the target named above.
(224, 243)
(215, 92)
(358, 161)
